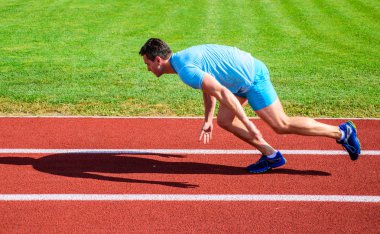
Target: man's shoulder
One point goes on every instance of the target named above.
(204, 47)
(191, 50)
(188, 56)
(195, 53)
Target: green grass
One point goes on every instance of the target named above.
(81, 57)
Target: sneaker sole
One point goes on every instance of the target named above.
(352, 155)
(260, 172)
(269, 167)
(279, 164)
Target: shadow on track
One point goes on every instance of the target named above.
(79, 165)
(299, 172)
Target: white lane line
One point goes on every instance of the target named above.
(188, 197)
(175, 151)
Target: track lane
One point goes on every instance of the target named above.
(189, 217)
(170, 174)
(194, 174)
(135, 133)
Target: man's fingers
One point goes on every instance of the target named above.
(201, 135)
(206, 135)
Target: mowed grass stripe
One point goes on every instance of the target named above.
(280, 17)
(366, 8)
(324, 24)
(220, 21)
(81, 58)
(331, 61)
(269, 30)
(366, 20)
(340, 18)
(304, 15)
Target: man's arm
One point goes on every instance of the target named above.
(209, 105)
(212, 87)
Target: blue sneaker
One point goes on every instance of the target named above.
(351, 141)
(264, 164)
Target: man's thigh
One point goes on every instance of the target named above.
(226, 114)
(273, 114)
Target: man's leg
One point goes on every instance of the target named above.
(228, 121)
(275, 116)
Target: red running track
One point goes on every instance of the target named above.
(178, 174)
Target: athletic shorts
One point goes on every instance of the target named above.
(262, 93)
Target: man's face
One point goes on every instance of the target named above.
(154, 66)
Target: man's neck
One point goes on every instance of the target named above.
(168, 68)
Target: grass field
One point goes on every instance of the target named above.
(81, 57)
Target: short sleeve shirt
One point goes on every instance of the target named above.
(233, 68)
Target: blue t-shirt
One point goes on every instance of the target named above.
(232, 67)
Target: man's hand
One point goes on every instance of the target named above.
(206, 132)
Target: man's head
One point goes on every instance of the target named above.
(155, 47)
(155, 52)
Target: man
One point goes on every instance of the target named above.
(234, 77)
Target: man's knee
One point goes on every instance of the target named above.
(282, 127)
(223, 123)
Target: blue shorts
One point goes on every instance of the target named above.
(262, 93)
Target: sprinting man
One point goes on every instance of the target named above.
(234, 77)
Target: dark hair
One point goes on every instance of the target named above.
(155, 47)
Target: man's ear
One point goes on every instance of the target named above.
(157, 59)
